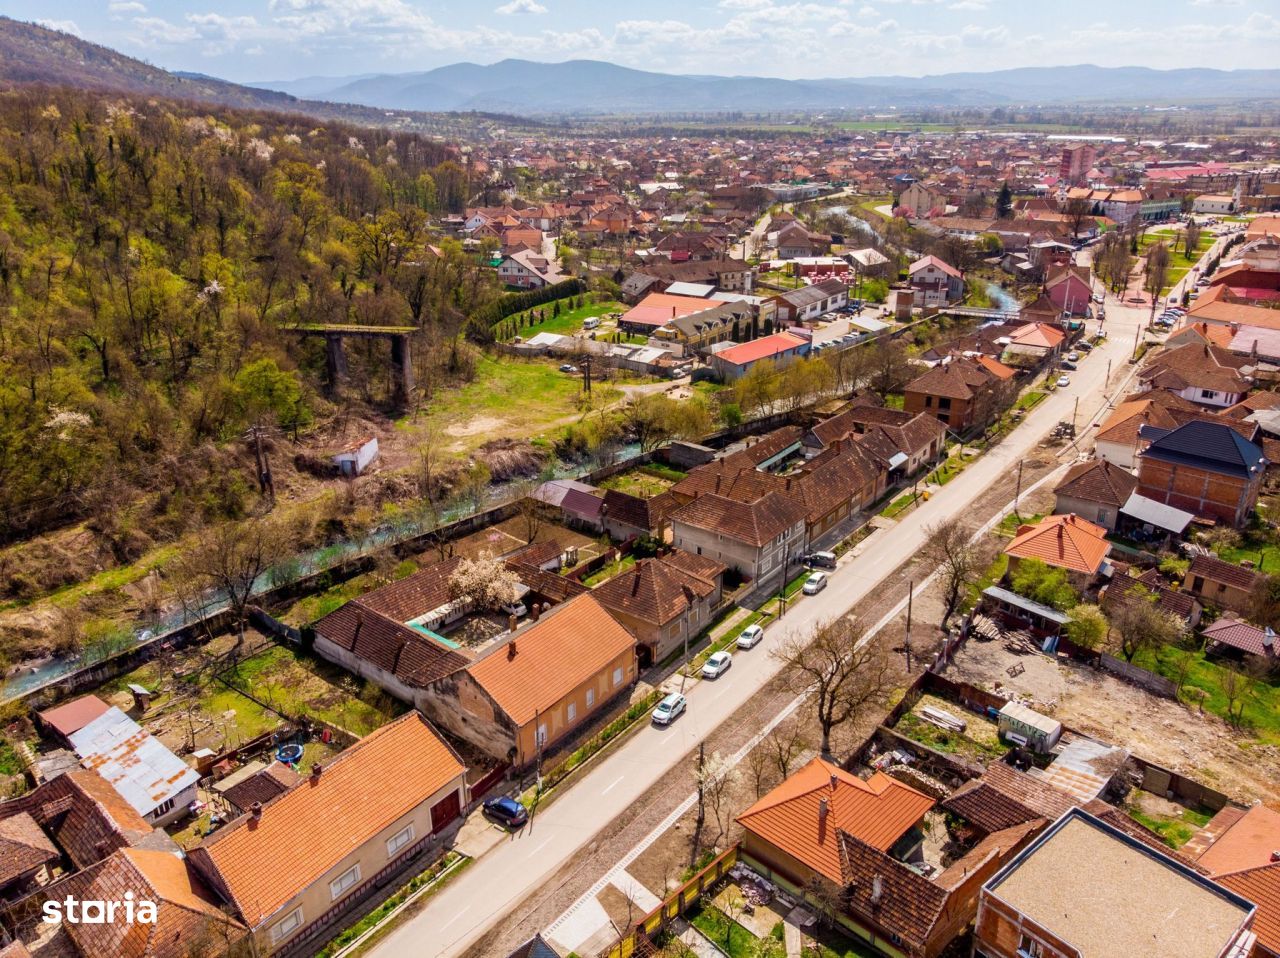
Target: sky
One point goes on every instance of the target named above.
(247, 40)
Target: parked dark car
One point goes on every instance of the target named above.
(506, 811)
(1067, 364)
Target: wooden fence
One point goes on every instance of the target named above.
(680, 901)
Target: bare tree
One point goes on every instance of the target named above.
(224, 562)
(786, 743)
(847, 676)
(759, 768)
(950, 550)
(1157, 271)
(1236, 688)
(1143, 626)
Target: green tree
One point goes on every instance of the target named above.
(1043, 583)
(265, 391)
(1004, 201)
(1087, 627)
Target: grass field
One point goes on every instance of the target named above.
(1176, 831)
(644, 482)
(508, 398)
(568, 322)
(1261, 700)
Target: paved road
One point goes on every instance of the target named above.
(483, 894)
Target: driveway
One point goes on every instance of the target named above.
(492, 887)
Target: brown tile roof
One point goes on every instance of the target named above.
(1241, 635)
(1098, 481)
(755, 523)
(909, 905)
(71, 717)
(1262, 887)
(1004, 797)
(188, 918)
(653, 591)
(1068, 542)
(745, 485)
(372, 627)
(1263, 399)
(23, 847)
(545, 660)
(263, 786)
(557, 588)
(1200, 365)
(704, 567)
(1125, 588)
(877, 811)
(627, 509)
(1228, 573)
(1123, 424)
(959, 378)
(264, 863)
(97, 821)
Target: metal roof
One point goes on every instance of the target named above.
(1021, 602)
(1156, 513)
(143, 771)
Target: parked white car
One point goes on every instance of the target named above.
(669, 709)
(717, 665)
(1064, 381)
(750, 637)
(815, 583)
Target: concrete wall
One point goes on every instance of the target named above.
(1121, 454)
(760, 563)
(1102, 515)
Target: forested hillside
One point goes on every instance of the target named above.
(152, 256)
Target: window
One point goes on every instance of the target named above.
(1030, 948)
(572, 712)
(928, 402)
(163, 808)
(401, 839)
(1208, 394)
(344, 882)
(944, 403)
(291, 923)
(617, 676)
(591, 697)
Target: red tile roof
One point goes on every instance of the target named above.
(877, 812)
(1262, 887)
(758, 349)
(1098, 481)
(264, 863)
(1248, 843)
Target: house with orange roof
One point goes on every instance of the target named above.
(1038, 340)
(292, 867)
(657, 310)
(736, 361)
(827, 836)
(935, 282)
(1065, 542)
(541, 683)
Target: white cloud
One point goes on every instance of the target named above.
(520, 6)
(974, 35)
(970, 5)
(1217, 3)
(118, 8)
(156, 30)
(66, 26)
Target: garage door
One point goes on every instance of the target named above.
(445, 811)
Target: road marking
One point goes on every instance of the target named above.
(456, 915)
(606, 791)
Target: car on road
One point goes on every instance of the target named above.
(1073, 356)
(815, 583)
(717, 665)
(669, 709)
(1099, 297)
(750, 637)
(1084, 346)
(824, 560)
(1064, 381)
(568, 368)
(1067, 364)
(506, 811)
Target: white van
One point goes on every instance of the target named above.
(591, 322)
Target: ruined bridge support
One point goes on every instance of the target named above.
(336, 359)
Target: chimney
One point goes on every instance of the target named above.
(822, 812)
(536, 611)
(511, 650)
(316, 769)
(511, 622)
(834, 781)
(877, 890)
(1275, 855)
(255, 811)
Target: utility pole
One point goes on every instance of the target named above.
(684, 672)
(1018, 492)
(586, 375)
(265, 481)
(1075, 409)
(782, 586)
(907, 645)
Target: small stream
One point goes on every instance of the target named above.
(153, 628)
(1001, 298)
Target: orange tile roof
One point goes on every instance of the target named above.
(306, 831)
(877, 812)
(1248, 843)
(1262, 887)
(1068, 542)
(553, 656)
(763, 348)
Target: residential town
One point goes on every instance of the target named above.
(838, 539)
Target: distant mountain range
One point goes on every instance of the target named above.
(35, 54)
(591, 86)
